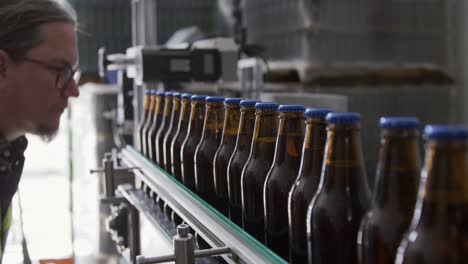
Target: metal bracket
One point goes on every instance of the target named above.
(184, 252)
(109, 167)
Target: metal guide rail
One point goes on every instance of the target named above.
(138, 199)
(215, 228)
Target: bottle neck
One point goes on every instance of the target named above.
(147, 101)
(231, 125)
(289, 140)
(175, 113)
(152, 106)
(443, 191)
(147, 105)
(344, 164)
(246, 127)
(264, 135)
(197, 117)
(398, 169)
(152, 103)
(184, 117)
(167, 111)
(313, 148)
(158, 111)
(214, 120)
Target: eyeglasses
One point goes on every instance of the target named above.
(64, 73)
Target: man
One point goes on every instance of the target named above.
(38, 55)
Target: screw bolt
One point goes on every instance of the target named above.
(183, 230)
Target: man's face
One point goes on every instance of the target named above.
(34, 89)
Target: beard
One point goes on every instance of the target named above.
(48, 138)
(47, 128)
(46, 134)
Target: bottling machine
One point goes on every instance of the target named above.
(290, 71)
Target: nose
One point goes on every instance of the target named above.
(71, 89)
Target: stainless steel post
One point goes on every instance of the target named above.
(108, 164)
(134, 234)
(183, 245)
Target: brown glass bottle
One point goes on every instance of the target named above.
(148, 190)
(281, 176)
(179, 137)
(149, 123)
(306, 183)
(165, 124)
(154, 197)
(439, 232)
(206, 149)
(161, 203)
(157, 120)
(256, 168)
(200, 242)
(395, 191)
(176, 219)
(167, 210)
(195, 129)
(224, 153)
(239, 158)
(343, 195)
(171, 131)
(143, 121)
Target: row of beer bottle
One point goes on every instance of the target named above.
(414, 216)
(225, 169)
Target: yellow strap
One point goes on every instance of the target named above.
(5, 226)
(6, 222)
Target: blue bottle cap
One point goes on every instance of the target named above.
(248, 103)
(399, 122)
(187, 96)
(215, 99)
(176, 94)
(160, 93)
(169, 93)
(445, 132)
(232, 101)
(198, 98)
(149, 91)
(266, 106)
(317, 112)
(291, 108)
(343, 118)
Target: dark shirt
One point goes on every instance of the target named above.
(11, 167)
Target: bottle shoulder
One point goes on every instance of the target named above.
(304, 187)
(256, 169)
(239, 156)
(280, 178)
(432, 247)
(223, 153)
(180, 136)
(338, 202)
(388, 221)
(207, 148)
